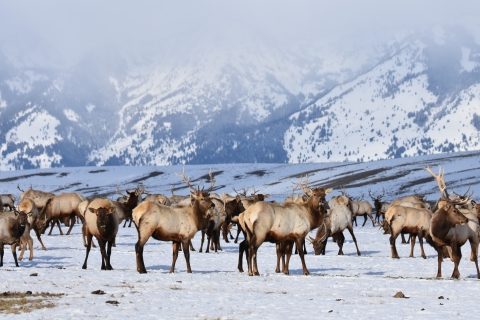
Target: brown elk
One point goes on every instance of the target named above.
(380, 207)
(101, 221)
(58, 208)
(28, 207)
(287, 223)
(178, 224)
(450, 227)
(124, 208)
(159, 198)
(11, 229)
(39, 197)
(361, 208)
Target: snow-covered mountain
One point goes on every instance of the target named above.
(213, 99)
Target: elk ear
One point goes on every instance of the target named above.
(92, 210)
(309, 191)
(111, 210)
(473, 202)
(238, 198)
(266, 196)
(328, 190)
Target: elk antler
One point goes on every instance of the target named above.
(244, 193)
(300, 184)
(465, 196)
(139, 192)
(440, 180)
(18, 186)
(187, 181)
(212, 181)
(120, 192)
(254, 193)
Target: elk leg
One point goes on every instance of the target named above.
(403, 238)
(109, 254)
(72, 222)
(1, 254)
(302, 256)
(278, 250)
(420, 241)
(22, 247)
(52, 224)
(142, 239)
(457, 255)
(304, 247)
(340, 241)
(14, 252)
(125, 223)
(30, 244)
(201, 242)
(130, 224)
(364, 220)
(217, 241)
(186, 253)
(254, 261)
(412, 243)
(225, 231)
(89, 244)
(39, 238)
(242, 248)
(393, 237)
(474, 254)
(239, 229)
(288, 249)
(59, 227)
(350, 229)
(176, 247)
(355, 220)
(101, 244)
(191, 245)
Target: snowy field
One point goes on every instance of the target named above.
(339, 286)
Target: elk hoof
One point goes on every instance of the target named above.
(241, 270)
(84, 266)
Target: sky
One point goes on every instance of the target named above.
(72, 28)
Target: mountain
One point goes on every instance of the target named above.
(240, 98)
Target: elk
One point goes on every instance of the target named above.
(177, 198)
(101, 221)
(178, 224)
(39, 197)
(450, 227)
(63, 206)
(212, 230)
(233, 206)
(28, 207)
(159, 198)
(11, 229)
(124, 208)
(415, 221)
(7, 200)
(338, 219)
(380, 207)
(362, 208)
(287, 223)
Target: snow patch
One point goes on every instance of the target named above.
(466, 64)
(90, 107)
(71, 115)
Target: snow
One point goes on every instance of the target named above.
(466, 64)
(348, 286)
(71, 115)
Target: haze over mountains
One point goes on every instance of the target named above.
(236, 95)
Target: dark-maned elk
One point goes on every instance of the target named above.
(286, 223)
(362, 208)
(380, 207)
(101, 221)
(11, 229)
(178, 224)
(7, 200)
(39, 197)
(449, 227)
(125, 207)
(59, 208)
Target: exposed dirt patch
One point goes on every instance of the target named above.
(62, 174)
(41, 174)
(347, 181)
(98, 171)
(148, 176)
(258, 173)
(19, 302)
(298, 175)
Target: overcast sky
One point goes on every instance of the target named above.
(74, 27)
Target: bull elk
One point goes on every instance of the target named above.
(283, 223)
(450, 227)
(178, 224)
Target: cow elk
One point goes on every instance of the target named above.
(63, 207)
(11, 229)
(178, 224)
(39, 197)
(101, 221)
(7, 200)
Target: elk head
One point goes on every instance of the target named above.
(104, 216)
(200, 196)
(376, 199)
(317, 195)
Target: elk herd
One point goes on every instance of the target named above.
(446, 227)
